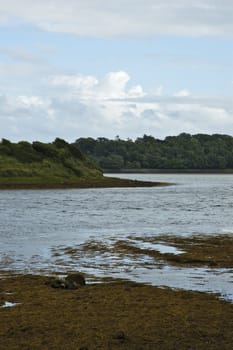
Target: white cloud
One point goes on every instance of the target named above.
(136, 91)
(111, 86)
(42, 102)
(77, 82)
(182, 93)
(123, 17)
(30, 101)
(76, 106)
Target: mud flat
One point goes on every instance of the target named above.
(114, 315)
(105, 182)
(196, 250)
(118, 314)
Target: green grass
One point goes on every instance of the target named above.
(38, 162)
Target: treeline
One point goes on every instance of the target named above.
(27, 152)
(185, 151)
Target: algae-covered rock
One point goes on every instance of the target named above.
(55, 283)
(74, 280)
(71, 281)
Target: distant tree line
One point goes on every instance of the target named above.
(185, 151)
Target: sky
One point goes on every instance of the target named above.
(107, 68)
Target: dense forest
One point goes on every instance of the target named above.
(184, 151)
(58, 161)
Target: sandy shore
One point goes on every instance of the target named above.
(116, 315)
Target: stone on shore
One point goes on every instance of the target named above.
(71, 281)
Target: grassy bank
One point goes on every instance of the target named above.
(52, 165)
(120, 315)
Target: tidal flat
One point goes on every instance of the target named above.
(195, 250)
(101, 182)
(201, 263)
(113, 315)
(110, 313)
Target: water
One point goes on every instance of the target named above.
(36, 226)
(9, 304)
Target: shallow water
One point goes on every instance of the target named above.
(162, 248)
(37, 225)
(8, 304)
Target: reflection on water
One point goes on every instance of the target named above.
(37, 226)
(162, 248)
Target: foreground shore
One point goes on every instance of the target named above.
(116, 315)
(105, 182)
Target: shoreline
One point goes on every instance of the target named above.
(110, 313)
(114, 315)
(168, 171)
(105, 182)
(188, 263)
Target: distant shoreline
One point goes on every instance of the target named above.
(168, 171)
(105, 182)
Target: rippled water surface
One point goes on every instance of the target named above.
(36, 225)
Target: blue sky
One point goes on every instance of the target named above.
(100, 68)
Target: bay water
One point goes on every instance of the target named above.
(46, 231)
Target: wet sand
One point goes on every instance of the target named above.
(115, 315)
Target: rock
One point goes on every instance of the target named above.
(74, 281)
(55, 283)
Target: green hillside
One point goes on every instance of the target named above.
(38, 165)
(44, 163)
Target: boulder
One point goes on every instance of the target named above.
(74, 281)
(71, 281)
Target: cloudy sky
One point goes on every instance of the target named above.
(101, 68)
